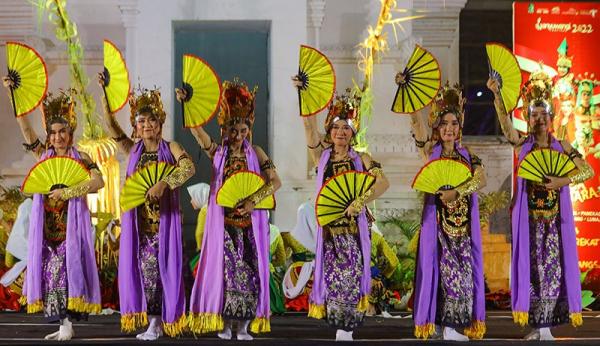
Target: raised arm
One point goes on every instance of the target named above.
(123, 141)
(511, 134)
(314, 140)
(421, 135)
(32, 141)
(204, 140)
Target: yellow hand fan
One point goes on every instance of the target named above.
(116, 77)
(28, 71)
(240, 186)
(203, 91)
(338, 193)
(54, 172)
(134, 190)
(420, 84)
(318, 81)
(504, 67)
(541, 163)
(441, 174)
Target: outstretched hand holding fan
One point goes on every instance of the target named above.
(315, 81)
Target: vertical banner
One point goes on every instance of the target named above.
(564, 37)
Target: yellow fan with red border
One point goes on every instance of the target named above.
(504, 67)
(441, 174)
(542, 163)
(116, 77)
(55, 172)
(133, 193)
(240, 186)
(318, 81)
(203, 89)
(28, 71)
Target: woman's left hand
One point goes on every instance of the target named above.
(56, 194)
(246, 207)
(555, 183)
(351, 211)
(447, 196)
(155, 192)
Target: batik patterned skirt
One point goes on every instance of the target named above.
(148, 251)
(242, 283)
(548, 302)
(54, 285)
(455, 290)
(342, 268)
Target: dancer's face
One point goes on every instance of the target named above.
(60, 136)
(147, 126)
(341, 133)
(539, 120)
(236, 133)
(449, 128)
(586, 98)
(562, 70)
(566, 108)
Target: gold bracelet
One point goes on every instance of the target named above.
(262, 193)
(181, 174)
(585, 172)
(471, 185)
(360, 201)
(74, 191)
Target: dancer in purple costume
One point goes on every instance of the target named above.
(342, 275)
(232, 283)
(545, 283)
(62, 277)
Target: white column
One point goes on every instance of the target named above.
(129, 11)
(316, 15)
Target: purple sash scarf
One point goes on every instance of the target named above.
(82, 274)
(520, 247)
(131, 289)
(427, 271)
(317, 295)
(207, 293)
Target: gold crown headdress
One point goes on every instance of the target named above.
(237, 103)
(449, 99)
(59, 108)
(146, 101)
(345, 107)
(563, 59)
(536, 92)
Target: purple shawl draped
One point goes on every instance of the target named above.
(83, 286)
(427, 271)
(317, 295)
(207, 293)
(520, 245)
(131, 289)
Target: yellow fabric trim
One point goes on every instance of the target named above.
(363, 304)
(260, 325)
(38, 306)
(576, 319)
(476, 330)
(22, 300)
(424, 331)
(521, 318)
(132, 321)
(79, 304)
(316, 311)
(205, 322)
(175, 329)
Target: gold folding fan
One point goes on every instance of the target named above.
(338, 193)
(54, 172)
(318, 81)
(504, 67)
(421, 82)
(441, 174)
(203, 91)
(542, 163)
(240, 186)
(28, 70)
(116, 77)
(133, 193)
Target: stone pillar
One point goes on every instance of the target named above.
(315, 14)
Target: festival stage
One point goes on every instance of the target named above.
(296, 329)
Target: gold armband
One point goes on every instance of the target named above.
(74, 191)
(181, 174)
(262, 193)
(360, 201)
(585, 172)
(471, 185)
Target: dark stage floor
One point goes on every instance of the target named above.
(21, 329)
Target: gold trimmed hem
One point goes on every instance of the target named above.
(132, 321)
(205, 322)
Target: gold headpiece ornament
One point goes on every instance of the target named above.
(448, 100)
(237, 103)
(59, 108)
(537, 92)
(563, 59)
(345, 107)
(146, 101)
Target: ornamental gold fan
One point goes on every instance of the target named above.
(318, 81)
(116, 77)
(420, 84)
(203, 89)
(504, 68)
(542, 163)
(338, 193)
(240, 186)
(134, 190)
(54, 172)
(441, 174)
(28, 71)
